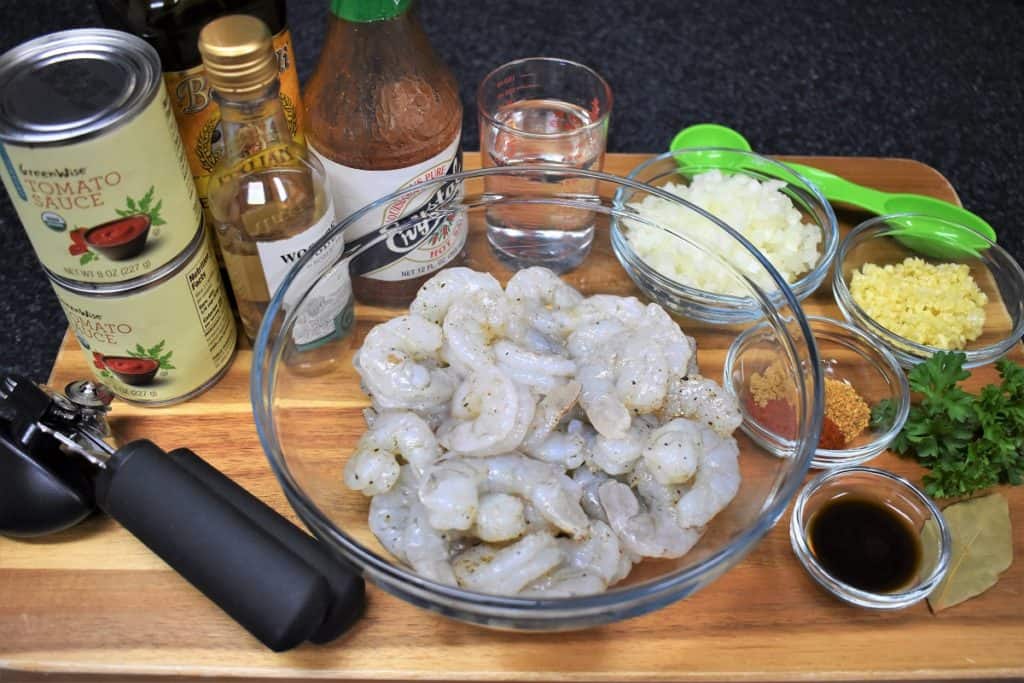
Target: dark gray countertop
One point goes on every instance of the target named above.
(940, 82)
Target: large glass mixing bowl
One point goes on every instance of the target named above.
(310, 420)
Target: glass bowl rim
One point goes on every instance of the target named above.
(862, 598)
(262, 383)
(917, 353)
(593, 125)
(803, 287)
(825, 458)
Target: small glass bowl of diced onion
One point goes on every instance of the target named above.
(759, 200)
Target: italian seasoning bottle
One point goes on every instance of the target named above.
(382, 112)
(267, 195)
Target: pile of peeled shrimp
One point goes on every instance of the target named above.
(532, 441)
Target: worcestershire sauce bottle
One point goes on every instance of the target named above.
(382, 112)
(172, 27)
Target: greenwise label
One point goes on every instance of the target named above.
(161, 343)
(111, 208)
(368, 10)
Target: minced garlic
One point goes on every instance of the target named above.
(935, 305)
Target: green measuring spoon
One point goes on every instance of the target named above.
(929, 237)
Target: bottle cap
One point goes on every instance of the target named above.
(362, 11)
(238, 54)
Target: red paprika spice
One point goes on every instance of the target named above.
(832, 437)
(776, 415)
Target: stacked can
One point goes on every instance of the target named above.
(95, 168)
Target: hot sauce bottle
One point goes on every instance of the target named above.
(382, 112)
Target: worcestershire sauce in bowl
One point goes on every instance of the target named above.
(866, 544)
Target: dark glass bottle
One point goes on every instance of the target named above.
(172, 27)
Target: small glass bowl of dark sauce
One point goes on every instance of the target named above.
(857, 532)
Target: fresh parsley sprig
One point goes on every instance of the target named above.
(969, 442)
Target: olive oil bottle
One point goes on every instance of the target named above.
(268, 196)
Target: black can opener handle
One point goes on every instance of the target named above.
(263, 571)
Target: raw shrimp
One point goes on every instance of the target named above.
(605, 411)
(563, 448)
(545, 486)
(673, 451)
(471, 328)
(627, 374)
(648, 532)
(653, 493)
(565, 582)
(590, 565)
(490, 414)
(449, 493)
(450, 285)
(398, 364)
(625, 309)
(550, 412)
(531, 441)
(373, 467)
(627, 369)
(663, 332)
(490, 569)
(399, 521)
(500, 517)
(692, 368)
(702, 400)
(590, 481)
(599, 553)
(641, 374)
(717, 481)
(542, 371)
(535, 521)
(591, 338)
(542, 297)
(617, 456)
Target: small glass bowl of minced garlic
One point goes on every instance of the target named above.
(953, 291)
(858, 375)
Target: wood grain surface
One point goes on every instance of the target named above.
(93, 604)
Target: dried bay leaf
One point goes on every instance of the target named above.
(982, 549)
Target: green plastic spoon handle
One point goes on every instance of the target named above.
(841, 190)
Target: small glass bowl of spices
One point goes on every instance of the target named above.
(953, 290)
(870, 537)
(858, 374)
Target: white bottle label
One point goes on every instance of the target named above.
(319, 316)
(422, 247)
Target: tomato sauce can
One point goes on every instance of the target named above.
(159, 342)
(91, 156)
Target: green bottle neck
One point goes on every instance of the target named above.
(364, 11)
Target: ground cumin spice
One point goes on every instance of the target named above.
(770, 385)
(846, 408)
(771, 403)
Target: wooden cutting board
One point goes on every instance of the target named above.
(92, 603)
